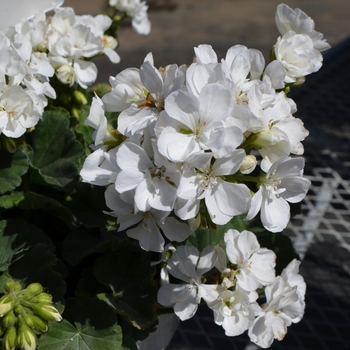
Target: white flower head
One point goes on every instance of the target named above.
(284, 305)
(189, 266)
(253, 266)
(283, 183)
(234, 311)
(203, 180)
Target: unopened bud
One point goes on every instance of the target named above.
(9, 319)
(80, 97)
(28, 319)
(26, 338)
(9, 144)
(28, 296)
(43, 298)
(248, 164)
(9, 285)
(6, 304)
(47, 312)
(9, 339)
(35, 288)
(39, 325)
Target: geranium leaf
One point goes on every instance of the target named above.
(11, 200)
(133, 290)
(32, 201)
(36, 265)
(79, 243)
(17, 236)
(12, 167)
(57, 154)
(92, 325)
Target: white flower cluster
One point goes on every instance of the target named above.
(244, 270)
(137, 11)
(184, 140)
(299, 46)
(34, 50)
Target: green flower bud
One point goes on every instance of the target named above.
(43, 298)
(80, 97)
(2, 328)
(9, 285)
(18, 309)
(47, 312)
(35, 288)
(39, 325)
(6, 304)
(26, 338)
(27, 295)
(17, 287)
(9, 339)
(28, 319)
(9, 319)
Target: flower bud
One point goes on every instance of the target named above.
(28, 320)
(9, 319)
(248, 164)
(9, 339)
(39, 325)
(26, 338)
(35, 288)
(43, 298)
(47, 312)
(6, 304)
(80, 97)
(9, 284)
(66, 74)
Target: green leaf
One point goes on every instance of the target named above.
(12, 167)
(57, 154)
(36, 265)
(32, 201)
(93, 326)
(79, 244)
(134, 294)
(202, 238)
(11, 200)
(17, 236)
(87, 204)
(281, 245)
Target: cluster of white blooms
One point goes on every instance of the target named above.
(183, 145)
(188, 141)
(244, 269)
(32, 51)
(137, 11)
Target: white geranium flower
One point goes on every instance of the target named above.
(195, 124)
(155, 183)
(137, 11)
(234, 311)
(299, 22)
(16, 112)
(100, 167)
(97, 120)
(253, 266)
(297, 55)
(284, 305)
(201, 179)
(150, 224)
(127, 89)
(283, 183)
(189, 266)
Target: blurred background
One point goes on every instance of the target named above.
(179, 25)
(321, 233)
